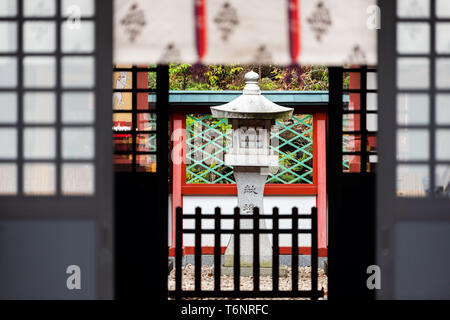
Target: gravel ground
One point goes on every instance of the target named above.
(304, 281)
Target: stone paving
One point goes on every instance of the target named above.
(304, 281)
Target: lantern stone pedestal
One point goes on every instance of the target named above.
(250, 182)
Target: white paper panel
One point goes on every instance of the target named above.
(332, 32)
(335, 32)
(152, 31)
(247, 31)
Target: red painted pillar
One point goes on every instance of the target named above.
(321, 200)
(178, 157)
(355, 104)
(142, 83)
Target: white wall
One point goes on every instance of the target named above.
(227, 203)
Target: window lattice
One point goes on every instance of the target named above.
(209, 138)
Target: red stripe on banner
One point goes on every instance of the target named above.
(294, 30)
(200, 28)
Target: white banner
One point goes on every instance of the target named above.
(154, 31)
(305, 32)
(336, 32)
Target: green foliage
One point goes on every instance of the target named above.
(152, 80)
(346, 80)
(231, 77)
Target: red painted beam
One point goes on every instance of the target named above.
(189, 250)
(230, 189)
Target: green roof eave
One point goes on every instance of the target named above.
(210, 98)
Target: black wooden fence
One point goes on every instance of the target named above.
(294, 231)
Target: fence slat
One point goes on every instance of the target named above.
(294, 251)
(178, 249)
(314, 253)
(256, 263)
(198, 249)
(237, 246)
(178, 293)
(217, 249)
(276, 251)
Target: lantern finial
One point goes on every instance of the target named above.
(251, 76)
(251, 83)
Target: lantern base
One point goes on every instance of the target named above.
(250, 184)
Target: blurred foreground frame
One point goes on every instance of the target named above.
(82, 214)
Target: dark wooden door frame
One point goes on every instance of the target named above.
(351, 226)
(141, 214)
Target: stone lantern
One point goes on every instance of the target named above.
(252, 117)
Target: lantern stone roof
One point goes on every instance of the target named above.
(251, 104)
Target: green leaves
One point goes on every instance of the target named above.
(231, 77)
